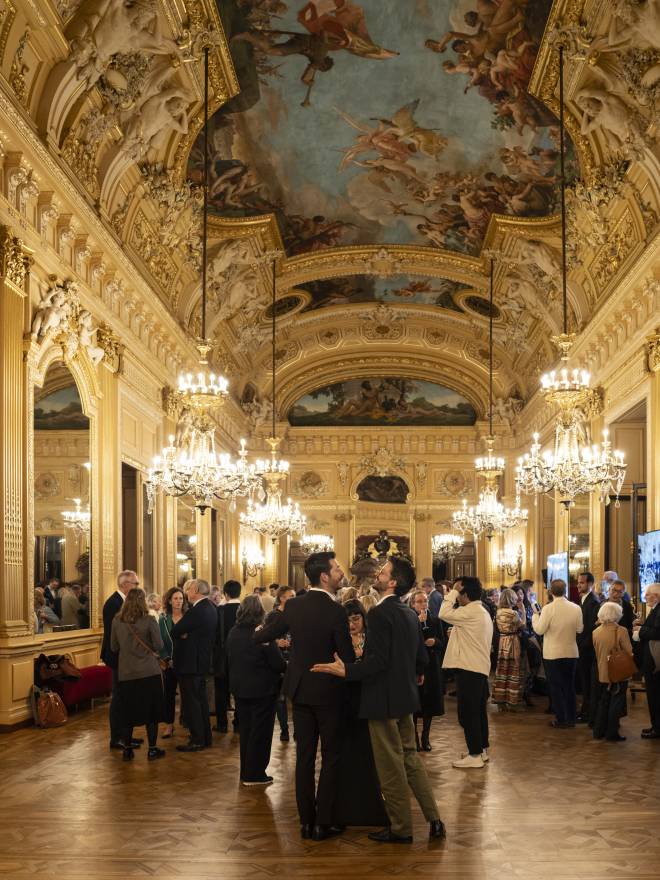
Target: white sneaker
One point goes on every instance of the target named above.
(468, 762)
(484, 756)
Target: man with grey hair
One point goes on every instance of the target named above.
(559, 623)
(646, 634)
(434, 598)
(126, 580)
(194, 635)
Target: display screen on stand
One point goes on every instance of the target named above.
(649, 561)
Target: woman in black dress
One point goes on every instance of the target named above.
(359, 801)
(135, 637)
(431, 692)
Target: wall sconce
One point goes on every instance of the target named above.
(253, 562)
(512, 564)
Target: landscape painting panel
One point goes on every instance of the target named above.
(389, 401)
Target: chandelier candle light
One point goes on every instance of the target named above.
(196, 469)
(79, 520)
(317, 544)
(272, 517)
(573, 467)
(446, 546)
(490, 515)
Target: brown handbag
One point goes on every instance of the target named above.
(48, 708)
(164, 664)
(620, 665)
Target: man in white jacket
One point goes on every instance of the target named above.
(559, 623)
(468, 654)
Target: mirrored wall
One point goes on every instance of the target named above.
(62, 519)
(186, 540)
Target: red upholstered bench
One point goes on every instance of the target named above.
(95, 681)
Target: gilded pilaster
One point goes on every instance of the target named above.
(110, 480)
(14, 278)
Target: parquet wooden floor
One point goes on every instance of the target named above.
(551, 804)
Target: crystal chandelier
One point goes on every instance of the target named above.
(490, 515)
(446, 546)
(195, 468)
(272, 517)
(79, 520)
(573, 467)
(317, 544)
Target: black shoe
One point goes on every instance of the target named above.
(615, 739)
(115, 744)
(651, 734)
(323, 832)
(560, 725)
(306, 831)
(426, 745)
(388, 836)
(128, 755)
(284, 736)
(582, 719)
(137, 741)
(648, 730)
(190, 747)
(437, 830)
(254, 782)
(153, 754)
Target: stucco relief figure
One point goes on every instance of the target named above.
(107, 27)
(52, 313)
(160, 109)
(635, 23)
(258, 412)
(539, 254)
(233, 280)
(621, 125)
(88, 338)
(507, 408)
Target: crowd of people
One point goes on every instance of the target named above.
(365, 667)
(62, 605)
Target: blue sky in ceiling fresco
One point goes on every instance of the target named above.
(392, 401)
(385, 121)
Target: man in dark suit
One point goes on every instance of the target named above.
(587, 657)
(319, 630)
(390, 671)
(193, 660)
(648, 632)
(226, 619)
(126, 580)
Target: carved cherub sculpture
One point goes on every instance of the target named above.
(52, 313)
(88, 338)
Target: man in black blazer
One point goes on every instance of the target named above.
(617, 593)
(193, 660)
(587, 656)
(226, 620)
(126, 580)
(649, 631)
(390, 670)
(319, 631)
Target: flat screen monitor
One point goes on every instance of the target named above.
(649, 561)
(557, 568)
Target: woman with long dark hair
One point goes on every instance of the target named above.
(174, 607)
(135, 637)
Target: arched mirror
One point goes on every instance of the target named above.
(578, 536)
(62, 495)
(186, 540)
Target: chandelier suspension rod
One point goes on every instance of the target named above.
(205, 187)
(490, 355)
(562, 168)
(273, 333)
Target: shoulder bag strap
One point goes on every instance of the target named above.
(140, 642)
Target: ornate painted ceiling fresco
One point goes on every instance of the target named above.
(402, 121)
(385, 401)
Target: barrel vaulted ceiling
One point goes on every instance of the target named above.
(389, 149)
